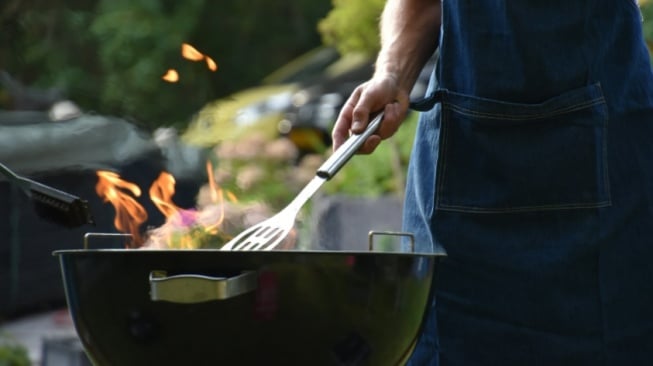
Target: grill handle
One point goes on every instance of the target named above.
(372, 234)
(194, 289)
(342, 155)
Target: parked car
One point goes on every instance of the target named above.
(259, 107)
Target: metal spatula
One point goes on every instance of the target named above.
(267, 234)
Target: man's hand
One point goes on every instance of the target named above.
(409, 35)
(381, 93)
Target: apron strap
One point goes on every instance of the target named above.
(426, 103)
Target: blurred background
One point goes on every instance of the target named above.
(142, 87)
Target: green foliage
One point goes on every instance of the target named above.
(138, 42)
(352, 26)
(44, 54)
(12, 354)
(109, 55)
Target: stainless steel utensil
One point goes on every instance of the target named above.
(50, 203)
(267, 234)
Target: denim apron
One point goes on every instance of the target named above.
(533, 169)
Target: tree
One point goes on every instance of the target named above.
(352, 26)
(109, 55)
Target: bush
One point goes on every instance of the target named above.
(352, 26)
(12, 354)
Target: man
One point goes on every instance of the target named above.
(532, 168)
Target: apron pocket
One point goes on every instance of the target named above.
(508, 157)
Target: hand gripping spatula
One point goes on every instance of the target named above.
(267, 234)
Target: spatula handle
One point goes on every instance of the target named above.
(339, 157)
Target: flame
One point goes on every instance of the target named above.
(129, 213)
(185, 228)
(191, 53)
(161, 193)
(171, 76)
(217, 197)
(182, 228)
(211, 64)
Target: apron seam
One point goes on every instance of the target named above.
(564, 110)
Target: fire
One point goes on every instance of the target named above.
(171, 76)
(192, 54)
(184, 228)
(161, 193)
(129, 213)
(211, 64)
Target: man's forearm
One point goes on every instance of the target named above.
(409, 35)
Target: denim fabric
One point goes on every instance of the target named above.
(534, 172)
(486, 137)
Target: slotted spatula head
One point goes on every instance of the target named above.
(268, 234)
(265, 235)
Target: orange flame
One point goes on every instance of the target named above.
(191, 53)
(217, 196)
(129, 213)
(171, 76)
(161, 193)
(211, 64)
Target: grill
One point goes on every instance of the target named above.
(195, 307)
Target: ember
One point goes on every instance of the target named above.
(211, 64)
(192, 54)
(171, 76)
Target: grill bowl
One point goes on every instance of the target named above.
(303, 308)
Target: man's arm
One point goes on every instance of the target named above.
(409, 35)
(410, 31)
